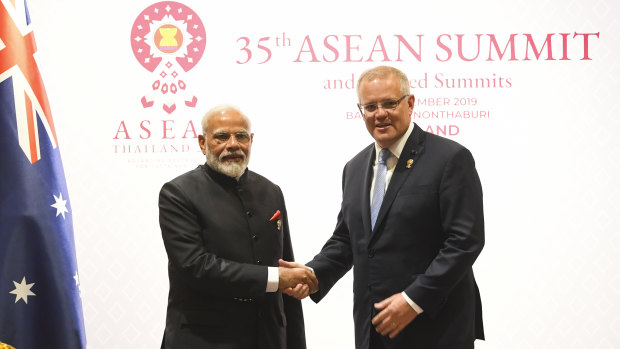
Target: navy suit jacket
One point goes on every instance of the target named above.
(429, 232)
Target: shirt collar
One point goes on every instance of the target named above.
(398, 146)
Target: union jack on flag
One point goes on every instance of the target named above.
(40, 305)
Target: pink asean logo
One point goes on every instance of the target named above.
(168, 39)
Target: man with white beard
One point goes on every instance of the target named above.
(225, 228)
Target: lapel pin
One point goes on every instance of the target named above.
(409, 163)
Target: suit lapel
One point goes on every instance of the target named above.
(413, 150)
(365, 195)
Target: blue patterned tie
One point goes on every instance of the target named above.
(379, 191)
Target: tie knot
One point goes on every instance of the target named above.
(384, 154)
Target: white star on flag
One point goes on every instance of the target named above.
(22, 290)
(60, 205)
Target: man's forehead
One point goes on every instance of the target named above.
(230, 120)
(230, 129)
(387, 81)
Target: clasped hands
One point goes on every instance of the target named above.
(299, 281)
(296, 280)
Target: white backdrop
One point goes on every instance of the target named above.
(546, 154)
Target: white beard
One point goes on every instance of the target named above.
(230, 169)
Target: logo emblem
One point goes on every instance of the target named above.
(168, 39)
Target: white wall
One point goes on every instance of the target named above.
(546, 155)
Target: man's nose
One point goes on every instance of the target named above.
(232, 142)
(381, 113)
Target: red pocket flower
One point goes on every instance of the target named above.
(275, 216)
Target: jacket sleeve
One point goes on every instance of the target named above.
(462, 222)
(186, 253)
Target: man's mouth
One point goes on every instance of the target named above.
(233, 158)
(228, 156)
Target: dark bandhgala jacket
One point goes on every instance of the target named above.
(429, 232)
(220, 237)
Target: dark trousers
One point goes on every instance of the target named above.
(376, 340)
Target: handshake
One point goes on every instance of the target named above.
(296, 280)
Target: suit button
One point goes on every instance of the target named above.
(371, 253)
(259, 262)
(248, 213)
(254, 237)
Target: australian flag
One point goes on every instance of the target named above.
(40, 305)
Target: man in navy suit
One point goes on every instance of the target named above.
(411, 223)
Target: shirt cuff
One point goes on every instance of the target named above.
(412, 303)
(273, 279)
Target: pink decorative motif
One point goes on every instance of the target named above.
(191, 103)
(171, 33)
(169, 109)
(148, 54)
(146, 103)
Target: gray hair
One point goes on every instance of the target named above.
(383, 71)
(218, 109)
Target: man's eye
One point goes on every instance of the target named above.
(390, 104)
(221, 136)
(242, 136)
(370, 107)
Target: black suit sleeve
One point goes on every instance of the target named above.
(461, 213)
(197, 267)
